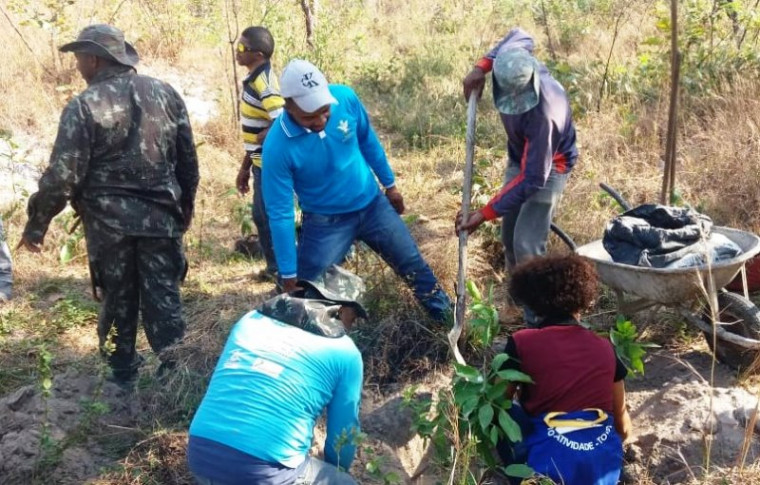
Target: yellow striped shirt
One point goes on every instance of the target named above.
(260, 103)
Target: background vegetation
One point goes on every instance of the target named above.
(406, 58)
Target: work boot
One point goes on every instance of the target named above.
(126, 377)
(125, 380)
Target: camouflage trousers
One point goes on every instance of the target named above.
(136, 276)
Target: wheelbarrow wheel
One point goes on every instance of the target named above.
(741, 317)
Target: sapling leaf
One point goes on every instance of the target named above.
(512, 375)
(468, 373)
(519, 471)
(509, 426)
(494, 435)
(498, 361)
(485, 416)
(473, 291)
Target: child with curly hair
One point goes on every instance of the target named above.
(576, 414)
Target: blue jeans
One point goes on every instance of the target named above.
(313, 472)
(6, 267)
(325, 240)
(525, 229)
(261, 221)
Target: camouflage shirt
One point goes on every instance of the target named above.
(125, 158)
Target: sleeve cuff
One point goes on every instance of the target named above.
(485, 64)
(288, 276)
(386, 187)
(489, 213)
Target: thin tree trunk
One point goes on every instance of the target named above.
(309, 19)
(548, 31)
(669, 175)
(674, 140)
(746, 27)
(54, 50)
(230, 6)
(115, 12)
(607, 65)
(20, 35)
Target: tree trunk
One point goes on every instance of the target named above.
(308, 15)
(669, 175)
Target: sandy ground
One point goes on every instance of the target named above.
(677, 416)
(676, 413)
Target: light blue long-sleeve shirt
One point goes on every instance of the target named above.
(272, 382)
(331, 172)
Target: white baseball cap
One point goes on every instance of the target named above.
(306, 86)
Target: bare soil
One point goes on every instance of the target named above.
(676, 415)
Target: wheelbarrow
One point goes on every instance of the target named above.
(686, 290)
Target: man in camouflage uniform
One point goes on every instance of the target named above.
(125, 158)
(255, 423)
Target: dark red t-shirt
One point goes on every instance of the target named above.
(572, 368)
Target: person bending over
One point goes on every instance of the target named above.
(283, 364)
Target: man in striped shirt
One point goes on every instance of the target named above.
(260, 103)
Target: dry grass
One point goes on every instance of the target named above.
(158, 459)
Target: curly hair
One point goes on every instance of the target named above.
(555, 286)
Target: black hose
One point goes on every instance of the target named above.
(616, 195)
(565, 238)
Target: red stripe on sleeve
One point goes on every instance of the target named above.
(488, 213)
(485, 64)
(488, 209)
(560, 162)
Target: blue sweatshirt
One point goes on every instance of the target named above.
(539, 141)
(272, 382)
(331, 172)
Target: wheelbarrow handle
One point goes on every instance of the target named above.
(616, 195)
(564, 237)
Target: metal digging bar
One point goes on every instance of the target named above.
(461, 305)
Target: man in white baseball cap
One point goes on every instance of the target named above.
(324, 149)
(306, 86)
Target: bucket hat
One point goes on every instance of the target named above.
(339, 286)
(105, 41)
(516, 83)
